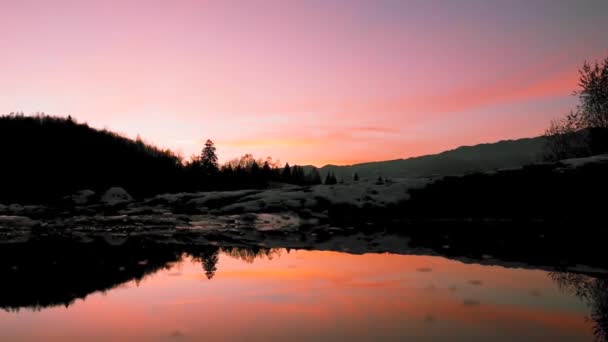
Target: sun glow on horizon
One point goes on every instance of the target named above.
(316, 82)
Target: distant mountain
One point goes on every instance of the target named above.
(465, 159)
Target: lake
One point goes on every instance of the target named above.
(264, 294)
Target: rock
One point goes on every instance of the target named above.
(249, 217)
(83, 196)
(16, 221)
(116, 195)
(15, 208)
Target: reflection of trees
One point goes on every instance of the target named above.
(208, 256)
(592, 290)
(249, 254)
(43, 274)
(209, 262)
(51, 272)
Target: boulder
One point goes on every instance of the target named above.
(82, 197)
(116, 195)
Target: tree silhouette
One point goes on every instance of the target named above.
(297, 175)
(76, 157)
(356, 177)
(102, 159)
(266, 170)
(593, 94)
(209, 158)
(594, 291)
(286, 174)
(209, 258)
(583, 131)
(314, 177)
(330, 179)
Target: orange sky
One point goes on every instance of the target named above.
(311, 82)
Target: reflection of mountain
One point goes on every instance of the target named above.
(594, 291)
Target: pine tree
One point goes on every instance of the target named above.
(330, 179)
(297, 175)
(314, 177)
(356, 177)
(209, 259)
(209, 158)
(266, 170)
(255, 171)
(286, 175)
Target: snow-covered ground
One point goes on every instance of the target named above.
(284, 209)
(578, 162)
(281, 209)
(358, 194)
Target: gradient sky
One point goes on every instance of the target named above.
(309, 82)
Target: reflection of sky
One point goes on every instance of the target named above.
(314, 295)
(303, 81)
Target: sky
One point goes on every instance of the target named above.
(306, 82)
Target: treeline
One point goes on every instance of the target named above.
(44, 158)
(246, 171)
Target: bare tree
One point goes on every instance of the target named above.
(578, 133)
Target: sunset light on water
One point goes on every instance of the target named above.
(303, 295)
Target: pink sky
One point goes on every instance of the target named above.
(309, 82)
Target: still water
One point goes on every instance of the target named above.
(238, 294)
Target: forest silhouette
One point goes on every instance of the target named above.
(45, 158)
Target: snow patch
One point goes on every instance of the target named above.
(206, 198)
(359, 194)
(578, 162)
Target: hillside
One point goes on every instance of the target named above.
(465, 159)
(46, 157)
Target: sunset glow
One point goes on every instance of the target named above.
(311, 295)
(308, 82)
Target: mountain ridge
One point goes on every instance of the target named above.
(463, 159)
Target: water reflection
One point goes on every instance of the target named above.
(208, 256)
(277, 293)
(249, 254)
(48, 273)
(592, 290)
